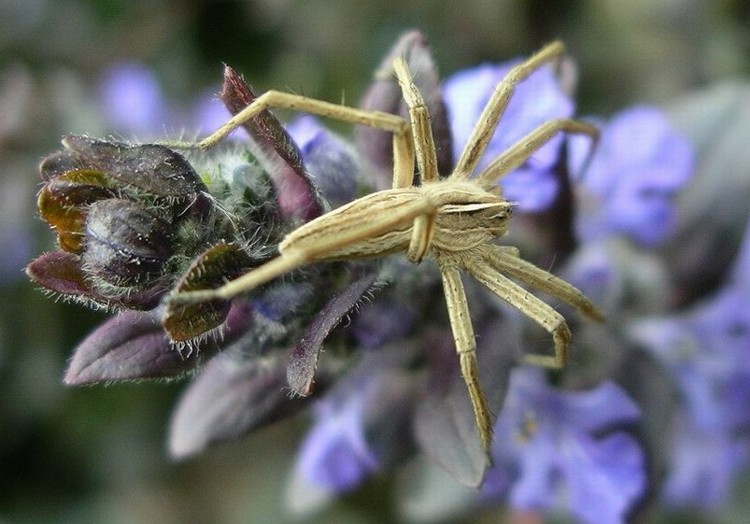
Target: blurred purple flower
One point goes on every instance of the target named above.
(330, 159)
(545, 438)
(133, 104)
(335, 452)
(382, 322)
(702, 465)
(706, 350)
(359, 426)
(536, 100)
(132, 100)
(630, 184)
(209, 114)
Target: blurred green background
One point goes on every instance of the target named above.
(98, 454)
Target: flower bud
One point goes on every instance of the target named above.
(62, 201)
(126, 244)
(119, 211)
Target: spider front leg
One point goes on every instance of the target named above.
(424, 142)
(493, 111)
(403, 147)
(519, 152)
(463, 335)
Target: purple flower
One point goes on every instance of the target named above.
(336, 453)
(132, 100)
(707, 353)
(209, 113)
(702, 465)
(359, 429)
(546, 439)
(536, 100)
(133, 103)
(631, 182)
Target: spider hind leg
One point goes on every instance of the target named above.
(533, 307)
(463, 335)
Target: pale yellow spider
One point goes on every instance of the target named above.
(455, 219)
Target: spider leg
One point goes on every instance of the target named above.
(493, 111)
(506, 259)
(421, 130)
(403, 148)
(292, 257)
(463, 335)
(424, 147)
(517, 154)
(531, 306)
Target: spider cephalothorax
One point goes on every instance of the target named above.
(454, 219)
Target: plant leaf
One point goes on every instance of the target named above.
(444, 424)
(130, 345)
(232, 396)
(60, 272)
(304, 357)
(212, 268)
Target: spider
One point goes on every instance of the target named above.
(455, 219)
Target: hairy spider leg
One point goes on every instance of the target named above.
(507, 259)
(463, 336)
(532, 306)
(519, 152)
(424, 142)
(498, 102)
(403, 145)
